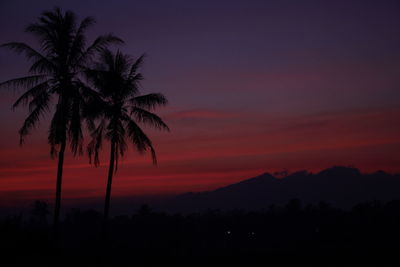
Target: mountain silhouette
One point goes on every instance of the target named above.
(339, 186)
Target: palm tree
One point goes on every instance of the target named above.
(122, 109)
(55, 82)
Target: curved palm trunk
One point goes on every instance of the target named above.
(109, 182)
(59, 184)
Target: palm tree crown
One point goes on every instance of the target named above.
(55, 72)
(122, 108)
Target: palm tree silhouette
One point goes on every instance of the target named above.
(56, 76)
(122, 108)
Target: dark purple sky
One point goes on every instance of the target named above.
(253, 86)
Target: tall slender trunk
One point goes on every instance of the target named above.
(59, 184)
(109, 183)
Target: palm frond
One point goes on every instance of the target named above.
(42, 99)
(135, 79)
(99, 44)
(29, 52)
(86, 92)
(79, 42)
(45, 33)
(121, 63)
(140, 140)
(85, 23)
(138, 63)
(107, 59)
(24, 82)
(41, 107)
(31, 93)
(149, 118)
(43, 66)
(96, 76)
(95, 144)
(149, 101)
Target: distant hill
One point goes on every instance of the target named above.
(340, 186)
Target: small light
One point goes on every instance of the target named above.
(228, 232)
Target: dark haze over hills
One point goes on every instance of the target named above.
(291, 234)
(340, 186)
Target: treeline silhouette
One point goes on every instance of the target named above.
(339, 185)
(319, 235)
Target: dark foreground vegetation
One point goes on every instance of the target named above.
(318, 235)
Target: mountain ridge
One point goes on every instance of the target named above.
(339, 185)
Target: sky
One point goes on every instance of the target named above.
(253, 87)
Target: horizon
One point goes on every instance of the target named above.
(253, 87)
(131, 202)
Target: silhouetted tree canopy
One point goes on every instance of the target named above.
(120, 111)
(54, 83)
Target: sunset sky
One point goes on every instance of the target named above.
(253, 87)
